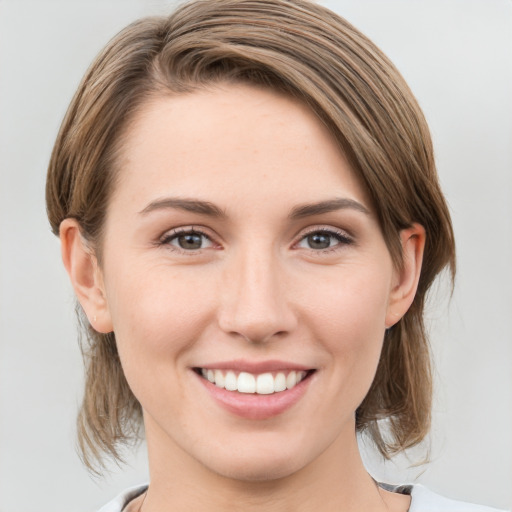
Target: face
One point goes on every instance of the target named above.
(246, 280)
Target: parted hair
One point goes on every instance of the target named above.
(308, 52)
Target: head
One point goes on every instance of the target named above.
(297, 52)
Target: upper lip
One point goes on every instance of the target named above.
(255, 367)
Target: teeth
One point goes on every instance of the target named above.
(291, 380)
(265, 384)
(219, 379)
(246, 383)
(231, 382)
(280, 382)
(262, 384)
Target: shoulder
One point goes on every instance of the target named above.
(424, 500)
(120, 501)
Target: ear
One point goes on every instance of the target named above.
(406, 279)
(85, 275)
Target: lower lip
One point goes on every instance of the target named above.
(253, 406)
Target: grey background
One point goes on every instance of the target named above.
(457, 57)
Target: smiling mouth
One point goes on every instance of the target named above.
(259, 384)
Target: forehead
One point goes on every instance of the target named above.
(237, 142)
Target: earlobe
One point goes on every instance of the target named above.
(407, 278)
(85, 275)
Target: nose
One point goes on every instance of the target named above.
(254, 299)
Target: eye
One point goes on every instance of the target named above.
(323, 239)
(187, 240)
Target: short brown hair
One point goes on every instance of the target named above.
(303, 50)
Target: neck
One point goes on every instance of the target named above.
(337, 479)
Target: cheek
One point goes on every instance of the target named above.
(350, 322)
(157, 318)
(353, 306)
(157, 312)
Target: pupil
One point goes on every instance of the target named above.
(319, 241)
(190, 241)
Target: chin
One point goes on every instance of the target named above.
(257, 471)
(259, 467)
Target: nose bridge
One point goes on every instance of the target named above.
(255, 304)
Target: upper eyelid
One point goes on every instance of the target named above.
(170, 233)
(324, 229)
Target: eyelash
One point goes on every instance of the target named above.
(342, 238)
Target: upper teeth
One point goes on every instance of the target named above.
(263, 384)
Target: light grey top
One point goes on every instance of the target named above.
(422, 500)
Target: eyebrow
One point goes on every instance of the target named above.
(189, 205)
(331, 205)
(210, 209)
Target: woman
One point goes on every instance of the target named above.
(250, 216)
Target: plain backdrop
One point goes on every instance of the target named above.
(457, 58)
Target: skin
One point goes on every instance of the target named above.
(255, 290)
